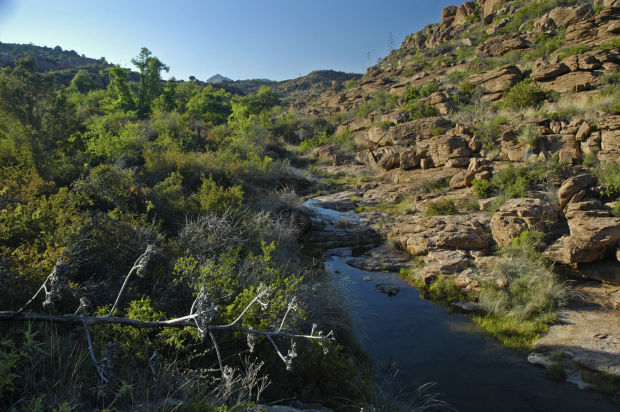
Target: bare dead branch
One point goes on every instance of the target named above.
(137, 266)
(98, 367)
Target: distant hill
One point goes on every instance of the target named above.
(64, 64)
(218, 78)
(46, 58)
(292, 90)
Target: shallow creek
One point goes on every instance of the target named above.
(428, 343)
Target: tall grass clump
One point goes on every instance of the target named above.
(528, 136)
(520, 293)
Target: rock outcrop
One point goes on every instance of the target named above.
(517, 215)
(419, 235)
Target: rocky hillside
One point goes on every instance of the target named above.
(495, 126)
(493, 84)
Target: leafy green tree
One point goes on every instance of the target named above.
(118, 85)
(264, 99)
(150, 86)
(168, 98)
(82, 82)
(211, 105)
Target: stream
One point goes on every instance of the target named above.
(425, 342)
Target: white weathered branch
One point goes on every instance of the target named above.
(138, 265)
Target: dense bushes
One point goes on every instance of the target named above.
(90, 177)
(524, 94)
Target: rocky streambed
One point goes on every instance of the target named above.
(425, 342)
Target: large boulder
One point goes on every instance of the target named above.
(610, 138)
(444, 263)
(497, 80)
(517, 215)
(419, 235)
(570, 82)
(449, 11)
(497, 46)
(512, 149)
(564, 16)
(441, 149)
(409, 160)
(463, 11)
(594, 233)
(574, 185)
(546, 71)
(390, 161)
(488, 6)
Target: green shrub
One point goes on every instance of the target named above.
(608, 175)
(612, 45)
(524, 94)
(490, 131)
(482, 187)
(212, 198)
(385, 125)
(443, 206)
(381, 101)
(464, 94)
(419, 92)
(456, 77)
(574, 50)
(419, 110)
(545, 45)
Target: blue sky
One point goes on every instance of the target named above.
(274, 39)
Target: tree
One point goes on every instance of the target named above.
(211, 105)
(82, 82)
(150, 86)
(118, 85)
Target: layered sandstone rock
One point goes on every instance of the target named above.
(420, 235)
(497, 80)
(517, 215)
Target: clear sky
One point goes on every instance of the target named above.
(240, 39)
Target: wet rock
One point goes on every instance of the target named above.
(390, 290)
(381, 259)
(517, 215)
(468, 306)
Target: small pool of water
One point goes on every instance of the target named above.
(428, 343)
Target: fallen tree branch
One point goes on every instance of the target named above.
(181, 322)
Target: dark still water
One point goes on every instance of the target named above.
(427, 343)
